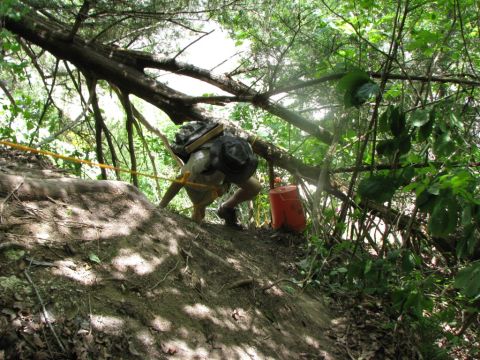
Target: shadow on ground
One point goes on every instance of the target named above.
(92, 270)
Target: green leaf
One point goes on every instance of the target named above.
(405, 176)
(94, 258)
(384, 120)
(397, 122)
(444, 217)
(357, 87)
(404, 144)
(365, 92)
(425, 131)
(425, 201)
(353, 80)
(378, 188)
(387, 147)
(443, 144)
(409, 261)
(288, 289)
(420, 118)
(468, 280)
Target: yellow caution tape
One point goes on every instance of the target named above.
(182, 180)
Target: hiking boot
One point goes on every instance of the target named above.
(230, 216)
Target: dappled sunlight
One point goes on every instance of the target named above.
(173, 245)
(161, 324)
(235, 263)
(80, 272)
(43, 236)
(146, 338)
(136, 262)
(182, 350)
(111, 325)
(311, 341)
(227, 318)
(199, 311)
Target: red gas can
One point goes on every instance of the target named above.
(287, 210)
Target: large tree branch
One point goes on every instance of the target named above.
(125, 70)
(376, 75)
(91, 59)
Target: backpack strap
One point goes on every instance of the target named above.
(217, 130)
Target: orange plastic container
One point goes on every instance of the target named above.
(287, 210)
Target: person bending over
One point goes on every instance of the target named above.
(217, 164)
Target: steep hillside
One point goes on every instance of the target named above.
(92, 269)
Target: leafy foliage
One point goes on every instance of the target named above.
(413, 153)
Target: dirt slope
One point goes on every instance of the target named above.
(92, 270)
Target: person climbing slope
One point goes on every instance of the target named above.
(216, 163)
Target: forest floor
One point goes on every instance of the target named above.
(93, 270)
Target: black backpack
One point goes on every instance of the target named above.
(192, 135)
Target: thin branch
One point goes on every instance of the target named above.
(224, 61)
(81, 17)
(377, 75)
(92, 83)
(193, 42)
(131, 146)
(79, 120)
(2, 205)
(150, 155)
(462, 31)
(47, 103)
(44, 311)
(365, 168)
(5, 90)
(103, 31)
(394, 44)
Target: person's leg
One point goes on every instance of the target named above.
(198, 213)
(200, 200)
(248, 190)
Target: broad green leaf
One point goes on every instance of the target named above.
(425, 131)
(444, 217)
(384, 120)
(353, 80)
(397, 122)
(357, 87)
(468, 280)
(420, 118)
(365, 92)
(468, 243)
(378, 188)
(404, 177)
(404, 144)
(425, 201)
(443, 144)
(387, 147)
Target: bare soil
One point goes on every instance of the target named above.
(93, 270)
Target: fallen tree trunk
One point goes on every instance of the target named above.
(25, 188)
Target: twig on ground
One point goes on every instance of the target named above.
(266, 287)
(237, 284)
(346, 344)
(165, 277)
(241, 283)
(44, 310)
(7, 198)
